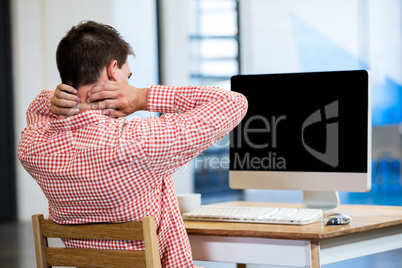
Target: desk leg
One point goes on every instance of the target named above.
(240, 265)
(315, 254)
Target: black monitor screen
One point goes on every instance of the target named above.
(313, 122)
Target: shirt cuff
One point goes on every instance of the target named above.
(161, 99)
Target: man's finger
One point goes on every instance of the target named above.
(104, 86)
(64, 111)
(102, 95)
(67, 88)
(66, 96)
(62, 103)
(105, 104)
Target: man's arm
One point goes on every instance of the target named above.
(195, 119)
(39, 109)
(50, 104)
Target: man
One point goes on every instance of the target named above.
(95, 167)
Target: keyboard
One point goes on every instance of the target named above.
(297, 216)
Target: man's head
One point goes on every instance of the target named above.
(86, 50)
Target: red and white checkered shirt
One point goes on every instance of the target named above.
(93, 168)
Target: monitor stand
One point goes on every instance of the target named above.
(323, 200)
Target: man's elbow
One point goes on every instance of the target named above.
(242, 102)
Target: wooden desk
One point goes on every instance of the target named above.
(374, 229)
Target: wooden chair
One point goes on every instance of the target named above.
(95, 258)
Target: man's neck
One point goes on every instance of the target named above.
(83, 91)
(83, 95)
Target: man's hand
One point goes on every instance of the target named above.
(65, 101)
(118, 98)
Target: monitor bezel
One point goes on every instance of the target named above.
(309, 181)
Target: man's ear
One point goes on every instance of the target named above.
(111, 70)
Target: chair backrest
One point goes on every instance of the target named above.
(95, 258)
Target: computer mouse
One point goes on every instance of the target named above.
(337, 219)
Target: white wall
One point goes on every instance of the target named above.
(174, 43)
(268, 33)
(367, 31)
(37, 27)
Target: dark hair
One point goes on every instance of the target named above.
(86, 50)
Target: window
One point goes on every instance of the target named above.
(213, 36)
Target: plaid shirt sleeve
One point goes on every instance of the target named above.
(39, 109)
(196, 117)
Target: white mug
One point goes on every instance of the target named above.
(188, 202)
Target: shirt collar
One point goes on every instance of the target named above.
(85, 119)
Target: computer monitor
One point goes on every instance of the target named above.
(304, 131)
